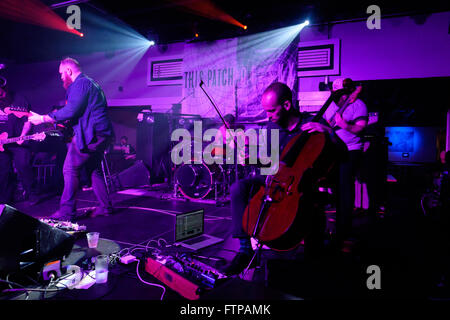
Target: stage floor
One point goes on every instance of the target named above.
(398, 243)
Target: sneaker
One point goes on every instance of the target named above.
(239, 263)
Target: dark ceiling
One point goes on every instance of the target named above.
(167, 22)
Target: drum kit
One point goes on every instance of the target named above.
(198, 181)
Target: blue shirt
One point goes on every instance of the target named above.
(86, 108)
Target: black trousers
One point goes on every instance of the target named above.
(21, 157)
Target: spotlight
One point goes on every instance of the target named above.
(82, 35)
(245, 27)
(306, 23)
(196, 35)
(151, 43)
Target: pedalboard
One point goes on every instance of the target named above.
(183, 274)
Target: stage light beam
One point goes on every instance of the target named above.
(207, 9)
(33, 12)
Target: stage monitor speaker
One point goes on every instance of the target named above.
(135, 176)
(25, 240)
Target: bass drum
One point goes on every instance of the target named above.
(195, 181)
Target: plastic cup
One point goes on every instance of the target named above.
(92, 239)
(101, 269)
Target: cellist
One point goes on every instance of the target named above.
(283, 116)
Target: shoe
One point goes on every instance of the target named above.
(239, 263)
(101, 212)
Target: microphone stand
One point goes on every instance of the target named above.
(228, 128)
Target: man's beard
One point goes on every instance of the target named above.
(67, 82)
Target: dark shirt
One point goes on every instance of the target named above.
(86, 107)
(9, 122)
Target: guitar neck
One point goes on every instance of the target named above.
(12, 140)
(340, 111)
(325, 106)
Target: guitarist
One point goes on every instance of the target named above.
(347, 124)
(283, 116)
(17, 153)
(86, 107)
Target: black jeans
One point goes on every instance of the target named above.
(22, 162)
(75, 160)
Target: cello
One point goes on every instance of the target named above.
(279, 215)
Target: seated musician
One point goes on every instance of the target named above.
(123, 155)
(277, 102)
(228, 140)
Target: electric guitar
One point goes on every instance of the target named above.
(4, 139)
(37, 136)
(64, 128)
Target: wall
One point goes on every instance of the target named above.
(402, 48)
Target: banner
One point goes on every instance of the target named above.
(235, 73)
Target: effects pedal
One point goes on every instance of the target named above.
(185, 275)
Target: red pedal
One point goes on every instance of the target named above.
(172, 279)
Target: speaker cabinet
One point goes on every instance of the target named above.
(153, 143)
(135, 176)
(25, 240)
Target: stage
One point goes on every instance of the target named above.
(398, 242)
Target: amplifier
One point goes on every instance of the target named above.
(185, 275)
